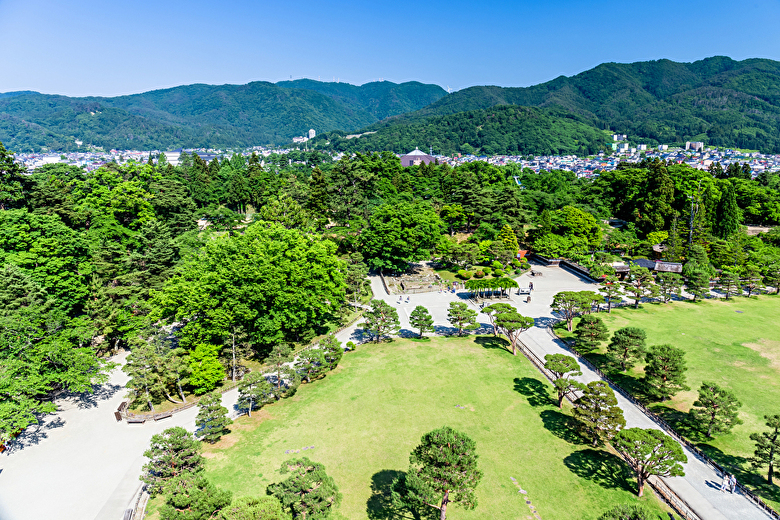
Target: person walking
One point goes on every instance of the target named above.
(726, 482)
(530, 286)
(732, 484)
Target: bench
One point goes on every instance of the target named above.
(118, 416)
(163, 415)
(136, 420)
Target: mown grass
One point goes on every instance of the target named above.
(735, 344)
(364, 418)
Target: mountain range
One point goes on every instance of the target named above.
(717, 100)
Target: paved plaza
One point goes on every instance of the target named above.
(80, 464)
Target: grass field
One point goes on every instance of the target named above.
(735, 344)
(365, 417)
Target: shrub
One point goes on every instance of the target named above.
(461, 274)
(467, 275)
(479, 274)
(628, 512)
(351, 346)
(496, 265)
(487, 270)
(516, 262)
(498, 272)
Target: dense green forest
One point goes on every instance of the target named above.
(717, 100)
(203, 115)
(499, 130)
(202, 266)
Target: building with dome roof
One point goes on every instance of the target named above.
(416, 157)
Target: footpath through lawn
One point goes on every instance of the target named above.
(362, 421)
(735, 344)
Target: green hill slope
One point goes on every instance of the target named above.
(497, 130)
(718, 100)
(202, 115)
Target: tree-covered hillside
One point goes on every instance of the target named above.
(202, 115)
(497, 130)
(717, 100)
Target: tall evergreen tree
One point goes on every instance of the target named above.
(651, 452)
(729, 215)
(598, 413)
(590, 332)
(767, 446)
(317, 203)
(563, 368)
(172, 453)
(716, 410)
(421, 320)
(665, 371)
(212, 421)
(309, 492)
(627, 347)
(254, 391)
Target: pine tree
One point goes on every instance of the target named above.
(716, 410)
(650, 452)
(611, 289)
(627, 347)
(698, 284)
(669, 285)
(332, 351)
(767, 451)
(443, 470)
(311, 363)
(461, 317)
(598, 413)
(317, 203)
(563, 367)
(421, 320)
(381, 320)
(287, 379)
(254, 391)
(212, 421)
(640, 284)
(508, 237)
(590, 332)
(190, 497)
(665, 371)
(729, 283)
(309, 492)
(752, 280)
(172, 453)
(511, 324)
(729, 215)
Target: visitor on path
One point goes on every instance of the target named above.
(528, 300)
(530, 286)
(726, 482)
(732, 484)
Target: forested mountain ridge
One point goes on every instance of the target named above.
(506, 129)
(202, 115)
(717, 100)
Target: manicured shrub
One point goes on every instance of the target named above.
(496, 264)
(498, 272)
(351, 346)
(467, 275)
(479, 274)
(487, 270)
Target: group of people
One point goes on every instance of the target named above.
(401, 299)
(729, 483)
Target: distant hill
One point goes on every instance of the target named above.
(507, 129)
(203, 115)
(717, 100)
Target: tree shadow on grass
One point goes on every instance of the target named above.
(380, 505)
(562, 426)
(600, 467)
(538, 393)
(493, 342)
(739, 466)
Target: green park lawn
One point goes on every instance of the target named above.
(735, 344)
(364, 418)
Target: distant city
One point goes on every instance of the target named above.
(694, 154)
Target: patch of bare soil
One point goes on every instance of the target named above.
(768, 349)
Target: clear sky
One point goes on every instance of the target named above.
(91, 47)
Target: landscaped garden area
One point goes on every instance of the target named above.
(362, 420)
(734, 344)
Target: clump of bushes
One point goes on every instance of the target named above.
(498, 272)
(487, 270)
(496, 265)
(465, 275)
(479, 274)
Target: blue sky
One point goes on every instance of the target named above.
(88, 47)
